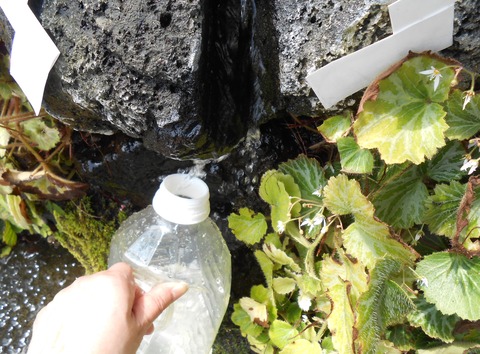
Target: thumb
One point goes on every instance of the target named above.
(147, 307)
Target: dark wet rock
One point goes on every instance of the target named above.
(190, 78)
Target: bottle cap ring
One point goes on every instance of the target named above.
(182, 199)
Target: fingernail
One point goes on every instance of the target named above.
(179, 288)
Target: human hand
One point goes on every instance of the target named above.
(101, 313)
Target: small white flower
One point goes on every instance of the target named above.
(304, 318)
(318, 192)
(281, 226)
(304, 301)
(467, 98)
(423, 282)
(308, 222)
(319, 219)
(434, 74)
(469, 164)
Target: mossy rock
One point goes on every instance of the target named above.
(85, 231)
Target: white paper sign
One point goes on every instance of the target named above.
(417, 26)
(33, 52)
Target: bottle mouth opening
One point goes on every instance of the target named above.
(182, 199)
(186, 187)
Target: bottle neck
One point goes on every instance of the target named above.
(182, 199)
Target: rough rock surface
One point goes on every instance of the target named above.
(313, 33)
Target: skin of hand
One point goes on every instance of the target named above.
(101, 313)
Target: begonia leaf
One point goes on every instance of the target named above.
(450, 281)
(383, 304)
(445, 165)
(248, 226)
(433, 322)
(302, 346)
(443, 208)
(41, 134)
(308, 176)
(273, 191)
(282, 333)
(242, 319)
(283, 285)
(343, 196)
(341, 319)
(369, 241)
(401, 200)
(463, 123)
(333, 270)
(335, 127)
(405, 121)
(353, 158)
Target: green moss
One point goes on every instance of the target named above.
(86, 231)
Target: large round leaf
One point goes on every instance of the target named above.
(450, 281)
(406, 120)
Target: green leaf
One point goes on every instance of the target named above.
(242, 319)
(294, 313)
(369, 241)
(456, 348)
(335, 127)
(445, 165)
(5, 251)
(401, 200)
(282, 333)
(442, 208)
(383, 304)
(247, 226)
(433, 322)
(302, 346)
(283, 285)
(451, 283)
(308, 175)
(341, 319)
(463, 123)
(353, 158)
(273, 191)
(12, 209)
(255, 310)
(9, 235)
(406, 337)
(41, 134)
(309, 285)
(343, 196)
(332, 271)
(280, 257)
(266, 265)
(406, 120)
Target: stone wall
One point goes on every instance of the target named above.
(190, 77)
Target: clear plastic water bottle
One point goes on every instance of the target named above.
(174, 239)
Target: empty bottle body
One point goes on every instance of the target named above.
(158, 251)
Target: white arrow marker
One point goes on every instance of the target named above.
(417, 26)
(33, 52)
